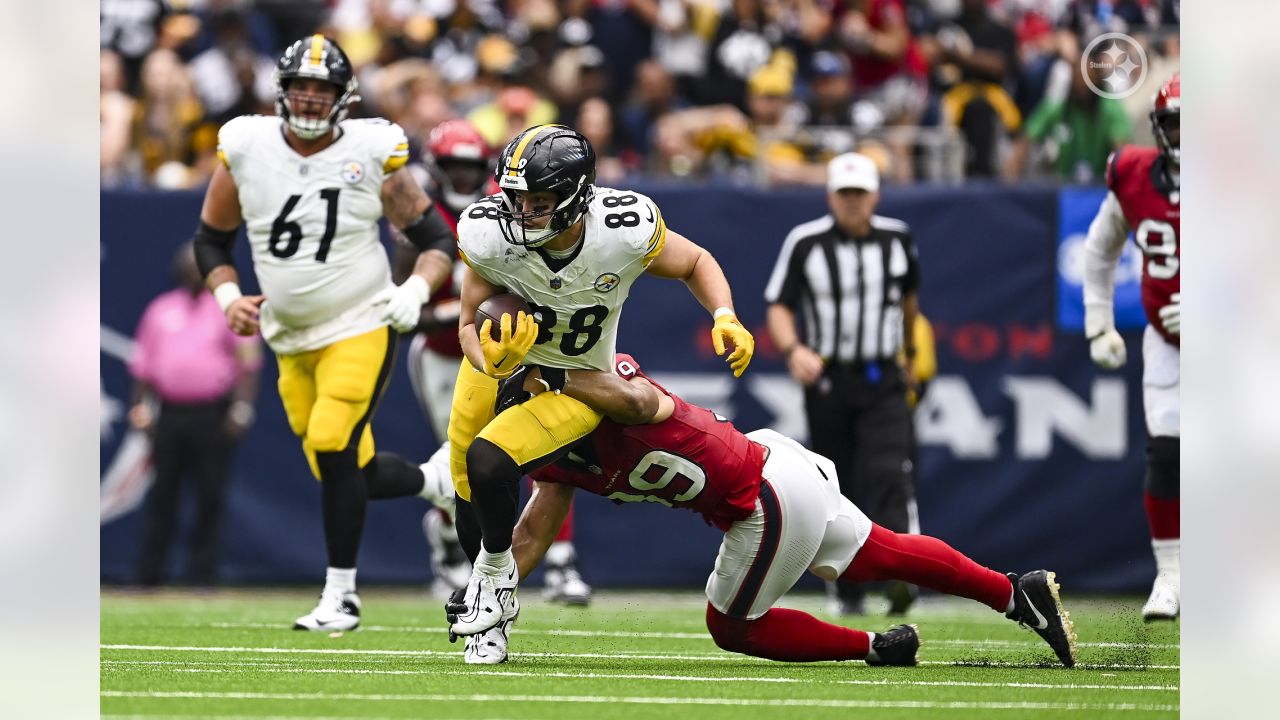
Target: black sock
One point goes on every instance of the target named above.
(343, 499)
(495, 492)
(390, 476)
(468, 527)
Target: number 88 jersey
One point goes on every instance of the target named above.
(313, 225)
(578, 298)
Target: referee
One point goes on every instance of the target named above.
(853, 278)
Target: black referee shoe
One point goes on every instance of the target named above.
(1038, 606)
(896, 646)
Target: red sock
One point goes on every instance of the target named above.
(1162, 514)
(927, 562)
(566, 529)
(787, 635)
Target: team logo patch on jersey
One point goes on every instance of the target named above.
(607, 282)
(352, 172)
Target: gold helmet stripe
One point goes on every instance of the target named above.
(317, 48)
(514, 163)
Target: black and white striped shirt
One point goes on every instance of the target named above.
(847, 290)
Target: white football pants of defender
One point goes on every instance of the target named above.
(801, 522)
(432, 376)
(1160, 380)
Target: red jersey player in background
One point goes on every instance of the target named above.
(782, 513)
(1143, 197)
(457, 171)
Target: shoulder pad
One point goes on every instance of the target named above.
(633, 218)
(237, 136)
(479, 234)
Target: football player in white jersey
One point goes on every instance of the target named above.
(310, 187)
(572, 251)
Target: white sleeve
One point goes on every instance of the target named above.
(1103, 246)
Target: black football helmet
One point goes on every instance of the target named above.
(545, 158)
(316, 57)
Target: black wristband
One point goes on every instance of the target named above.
(213, 247)
(431, 232)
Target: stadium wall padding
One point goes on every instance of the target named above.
(1029, 456)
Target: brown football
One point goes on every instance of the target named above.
(493, 309)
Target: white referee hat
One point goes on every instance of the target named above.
(852, 170)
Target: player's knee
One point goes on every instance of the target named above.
(490, 467)
(730, 634)
(1163, 467)
(338, 465)
(332, 424)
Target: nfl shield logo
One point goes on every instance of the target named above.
(555, 283)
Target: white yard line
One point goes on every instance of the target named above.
(686, 635)
(717, 657)
(606, 699)
(231, 667)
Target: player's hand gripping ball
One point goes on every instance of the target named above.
(507, 331)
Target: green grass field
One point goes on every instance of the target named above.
(630, 655)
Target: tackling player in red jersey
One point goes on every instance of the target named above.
(782, 513)
(1144, 197)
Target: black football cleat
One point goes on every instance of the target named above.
(1037, 605)
(896, 646)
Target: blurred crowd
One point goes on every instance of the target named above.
(741, 91)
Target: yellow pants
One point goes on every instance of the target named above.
(528, 432)
(330, 394)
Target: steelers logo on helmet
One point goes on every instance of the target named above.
(551, 159)
(318, 58)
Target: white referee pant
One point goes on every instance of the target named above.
(801, 522)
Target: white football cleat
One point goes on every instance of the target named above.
(488, 600)
(490, 646)
(336, 611)
(564, 584)
(449, 565)
(1164, 601)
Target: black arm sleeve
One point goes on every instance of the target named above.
(213, 247)
(431, 232)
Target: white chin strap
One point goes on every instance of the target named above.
(535, 238)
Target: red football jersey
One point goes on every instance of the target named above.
(1150, 203)
(694, 459)
(445, 340)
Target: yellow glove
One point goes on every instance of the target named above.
(502, 357)
(728, 330)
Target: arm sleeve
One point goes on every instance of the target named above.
(1103, 246)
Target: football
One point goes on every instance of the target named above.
(495, 307)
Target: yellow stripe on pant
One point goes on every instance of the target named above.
(527, 432)
(330, 394)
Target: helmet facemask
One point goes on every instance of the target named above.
(567, 211)
(461, 180)
(310, 128)
(1166, 127)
